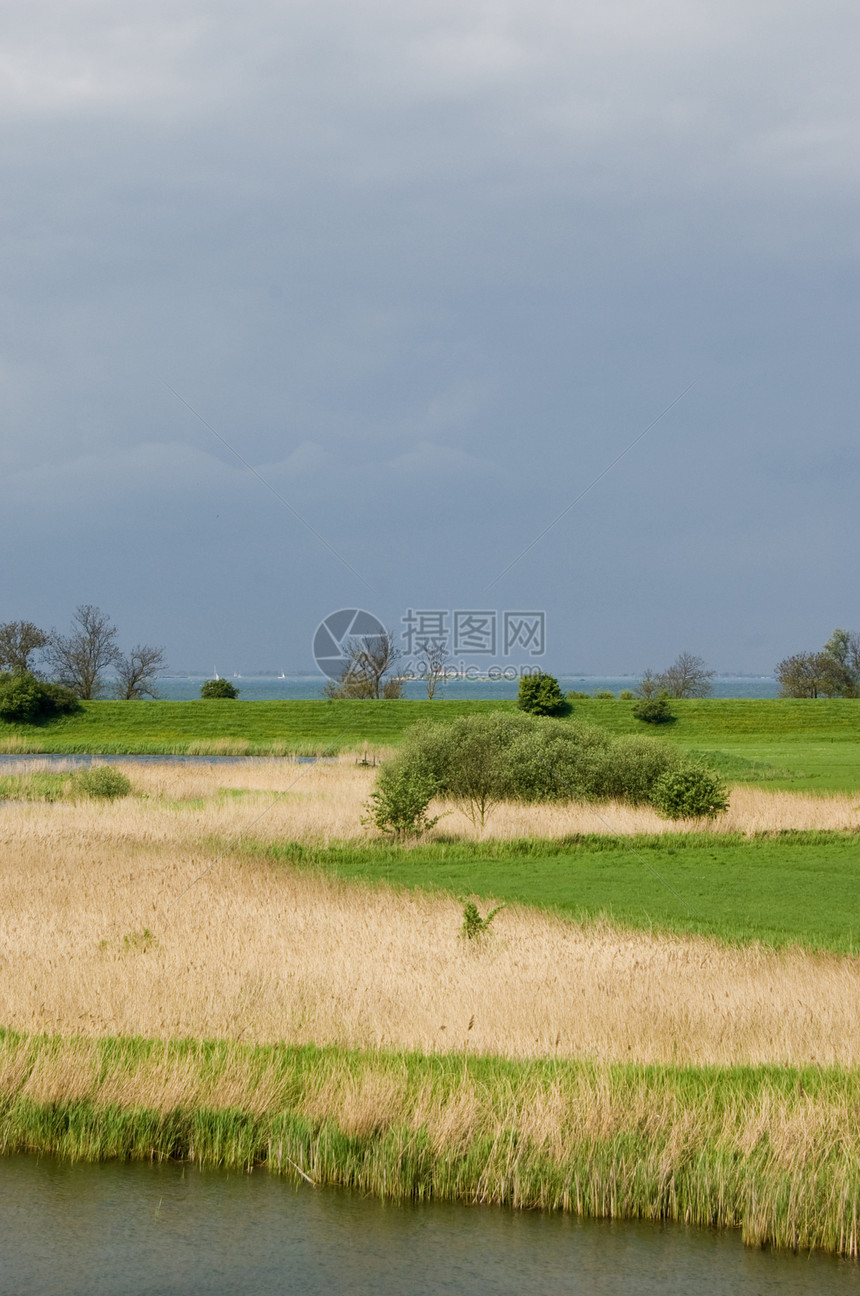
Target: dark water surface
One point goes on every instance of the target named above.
(89, 1230)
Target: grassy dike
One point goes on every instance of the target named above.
(772, 1150)
(805, 744)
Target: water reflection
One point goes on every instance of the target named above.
(171, 1230)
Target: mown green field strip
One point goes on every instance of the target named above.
(800, 888)
(170, 727)
(816, 742)
(772, 1150)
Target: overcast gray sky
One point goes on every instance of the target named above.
(429, 267)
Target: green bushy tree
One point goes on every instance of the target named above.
(479, 761)
(541, 695)
(24, 699)
(218, 688)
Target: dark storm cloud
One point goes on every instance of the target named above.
(429, 268)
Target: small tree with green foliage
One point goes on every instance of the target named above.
(218, 688)
(474, 926)
(690, 792)
(398, 803)
(540, 695)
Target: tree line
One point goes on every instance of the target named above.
(833, 671)
(87, 662)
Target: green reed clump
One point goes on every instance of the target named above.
(774, 1151)
(39, 786)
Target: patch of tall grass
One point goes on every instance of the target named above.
(41, 785)
(241, 948)
(775, 1152)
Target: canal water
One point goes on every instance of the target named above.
(172, 1230)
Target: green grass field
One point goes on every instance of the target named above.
(811, 745)
(798, 888)
(255, 727)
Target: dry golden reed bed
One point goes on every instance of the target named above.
(323, 802)
(261, 954)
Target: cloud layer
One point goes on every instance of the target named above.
(428, 269)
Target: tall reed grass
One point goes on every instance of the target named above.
(125, 923)
(774, 1152)
(323, 802)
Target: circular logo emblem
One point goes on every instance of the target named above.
(332, 637)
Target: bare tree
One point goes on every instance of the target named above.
(137, 672)
(687, 677)
(81, 658)
(433, 663)
(369, 659)
(19, 640)
(649, 685)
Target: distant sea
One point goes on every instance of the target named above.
(271, 688)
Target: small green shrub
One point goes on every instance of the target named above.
(605, 695)
(101, 782)
(474, 926)
(541, 695)
(398, 803)
(653, 710)
(25, 699)
(689, 792)
(627, 695)
(218, 688)
(575, 696)
(139, 940)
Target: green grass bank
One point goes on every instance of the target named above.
(800, 888)
(784, 743)
(772, 1151)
